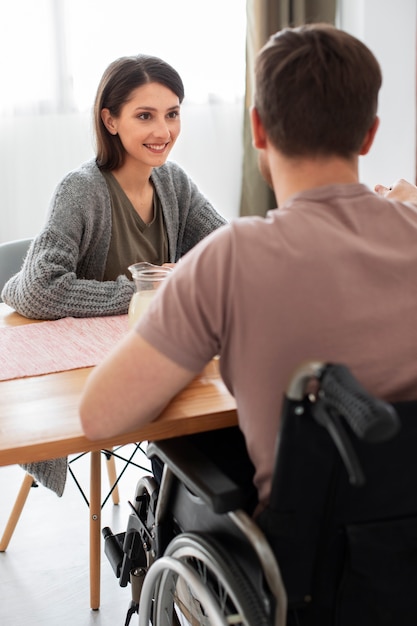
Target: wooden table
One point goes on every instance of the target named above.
(39, 421)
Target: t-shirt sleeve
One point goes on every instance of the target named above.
(188, 316)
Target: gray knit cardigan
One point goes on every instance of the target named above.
(63, 270)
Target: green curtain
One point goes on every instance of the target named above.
(265, 17)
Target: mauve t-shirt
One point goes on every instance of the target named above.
(331, 276)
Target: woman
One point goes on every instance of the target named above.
(125, 206)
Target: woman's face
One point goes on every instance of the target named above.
(148, 125)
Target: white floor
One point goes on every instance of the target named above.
(44, 576)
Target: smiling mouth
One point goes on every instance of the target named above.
(156, 147)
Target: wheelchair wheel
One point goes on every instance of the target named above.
(193, 585)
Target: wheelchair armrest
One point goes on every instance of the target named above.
(199, 474)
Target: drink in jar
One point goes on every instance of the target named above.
(139, 304)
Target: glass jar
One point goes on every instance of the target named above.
(147, 278)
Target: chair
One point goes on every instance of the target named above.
(336, 546)
(12, 254)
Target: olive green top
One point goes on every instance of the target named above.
(132, 240)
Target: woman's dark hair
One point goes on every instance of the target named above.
(316, 91)
(116, 85)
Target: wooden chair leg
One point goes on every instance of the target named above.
(111, 471)
(16, 511)
(95, 528)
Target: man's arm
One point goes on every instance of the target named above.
(129, 388)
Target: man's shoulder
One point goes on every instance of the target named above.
(232, 240)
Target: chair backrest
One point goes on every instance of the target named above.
(347, 553)
(12, 254)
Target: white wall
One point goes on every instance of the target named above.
(389, 29)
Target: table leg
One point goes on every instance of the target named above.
(95, 531)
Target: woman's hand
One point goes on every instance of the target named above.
(401, 190)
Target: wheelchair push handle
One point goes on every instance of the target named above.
(334, 393)
(370, 418)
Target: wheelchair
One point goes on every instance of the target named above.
(336, 546)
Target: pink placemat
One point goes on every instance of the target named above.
(69, 343)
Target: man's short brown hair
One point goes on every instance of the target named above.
(316, 91)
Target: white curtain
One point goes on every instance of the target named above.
(53, 54)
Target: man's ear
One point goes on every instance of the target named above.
(258, 131)
(369, 137)
(109, 121)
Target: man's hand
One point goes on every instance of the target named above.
(401, 190)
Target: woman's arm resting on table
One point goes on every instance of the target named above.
(129, 388)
